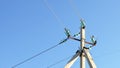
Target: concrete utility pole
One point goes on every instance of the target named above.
(82, 56)
(83, 52)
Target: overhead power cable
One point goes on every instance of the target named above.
(99, 56)
(35, 55)
(59, 20)
(59, 62)
(53, 12)
(75, 8)
(62, 24)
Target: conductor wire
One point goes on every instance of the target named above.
(75, 8)
(35, 56)
(53, 12)
(58, 62)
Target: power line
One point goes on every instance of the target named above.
(35, 56)
(46, 49)
(58, 62)
(53, 12)
(99, 56)
(59, 20)
(75, 9)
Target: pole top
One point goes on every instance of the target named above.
(82, 23)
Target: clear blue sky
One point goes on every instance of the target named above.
(28, 27)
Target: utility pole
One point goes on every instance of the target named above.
(82, 56)
(83, 52)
